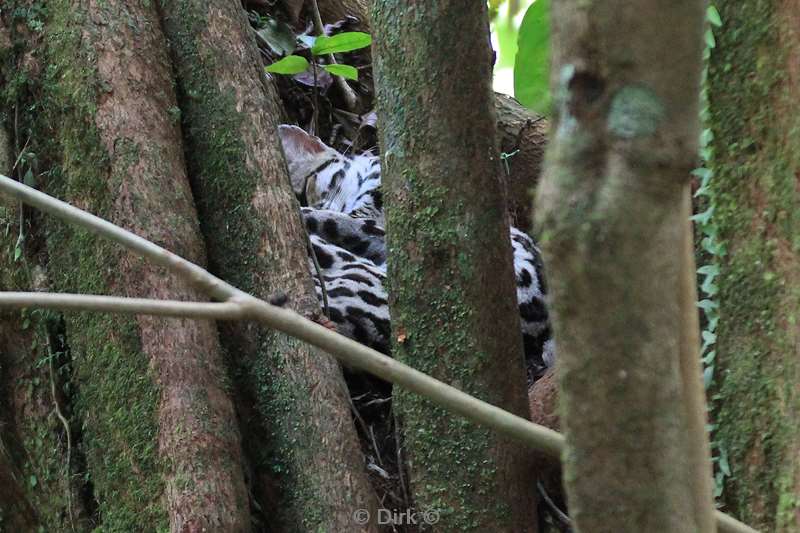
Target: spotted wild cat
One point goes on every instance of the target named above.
(343, 214)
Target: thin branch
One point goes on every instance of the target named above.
(116, 304)
(346, 350)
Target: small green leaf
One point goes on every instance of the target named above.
(724, 466)
(33, 481)
(710, 41)
(705, 305)
(345, 71)
(709, 337)
(708, 376)
(709, 287)
(17, 253)
(341, 42)
(28, 179)
(713, 16)
(288, 65)
(712, 270)
(532, 65)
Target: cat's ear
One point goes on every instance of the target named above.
(303, 154)
(299, 145)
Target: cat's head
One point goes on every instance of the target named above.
(306, 155)
(323, 178)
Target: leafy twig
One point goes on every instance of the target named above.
(351, 99)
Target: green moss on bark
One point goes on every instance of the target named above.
(757, 147)
(450, 275)
(226, 156)
(115, 397)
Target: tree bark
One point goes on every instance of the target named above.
(522, 137)
(610, 208)
(452, 283)
(335, 10)
(754, 78)
(307, 462)
(157, 424)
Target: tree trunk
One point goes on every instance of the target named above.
(610, 206)
(522, 137)
(452, 294)
(157, 424)
(299, 430)
(754, 78)
(333, 11)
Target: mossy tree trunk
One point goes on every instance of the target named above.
(612, 218)
(309, 470)
(156, 422)
(159, 430)
(754, 78)
(452, 282)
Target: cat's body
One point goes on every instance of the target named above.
(344, 219)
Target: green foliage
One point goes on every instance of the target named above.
(714, 250)
(532, 65)
(324, 45)
(341, 42)
(289, 65)
(345, 71)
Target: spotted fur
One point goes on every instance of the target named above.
(344, 219)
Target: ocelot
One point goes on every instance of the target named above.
(343, 214)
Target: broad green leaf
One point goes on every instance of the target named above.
(507, 36)
(288, 65)
(345, 71)
(341, 42)
(532, 66)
